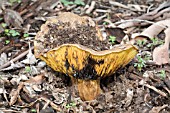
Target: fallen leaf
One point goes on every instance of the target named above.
(154, 29)
(129, 97)
(14, 94)
(28, 90)
(13, 18)
(161, 54)
(30, 58)
(3, 58)
(36, 80)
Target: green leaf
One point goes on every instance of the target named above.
(3, 25)
(7, 41)
(162, 74)
(14, 33)
(27, 69)
(140, 64)
(26, 35)
(72, 104)
(33, 110)
(79, 2)
(105, 23)
(112, 39)
(135, 64)
(66, 2)
(13, 1)
(6, 30)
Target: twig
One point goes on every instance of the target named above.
(158, 109)
(167, 90)
(156, 90)
(15, 59)
(149, 8)
(90, 9)
(147, 18)
(135, 22)
(71, 7)
(121, 5)
(100, 17)
(9, 111)
(54, 106)
(135, 77)
(103, 11)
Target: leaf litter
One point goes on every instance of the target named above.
(128, 90)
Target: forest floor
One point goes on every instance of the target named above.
(28, 85)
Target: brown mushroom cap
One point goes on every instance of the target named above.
(66, 28)
(84, 65)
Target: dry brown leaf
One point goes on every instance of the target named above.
(161, 54)
(14, 94)
(13, 18)
(30, 58)
(3, 58)
(35, 80)
(129, 97)
(155, 29)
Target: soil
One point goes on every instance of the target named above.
(83, 34)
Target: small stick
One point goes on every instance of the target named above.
(90, 9)
(156, 90)
(167, 90)
(122, 5)
(103, 11)
(15, 59)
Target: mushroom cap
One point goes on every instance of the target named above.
(66, 26)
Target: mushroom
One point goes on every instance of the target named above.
(60, 45)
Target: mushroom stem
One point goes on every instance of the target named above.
(88, 89)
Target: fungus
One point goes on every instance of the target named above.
(73, 45)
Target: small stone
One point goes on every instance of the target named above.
(41, 64)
